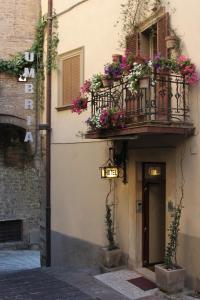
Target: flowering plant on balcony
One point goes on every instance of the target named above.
(137, 72)
(107, 118)
(188, 70)
(86, 87)
(162, 64)
(113, 70)
(79, 104)
(96, 82)
(182, 65)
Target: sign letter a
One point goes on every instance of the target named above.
(28, 137)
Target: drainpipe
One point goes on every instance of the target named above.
(48, 140)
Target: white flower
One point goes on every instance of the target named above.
(150, 64)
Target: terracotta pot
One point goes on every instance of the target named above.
(171, 41)
(170, 281)
(111, 258)
(116, 57)
(106, 82)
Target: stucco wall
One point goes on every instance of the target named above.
(185, 20)
(78, 193)
(70, 185)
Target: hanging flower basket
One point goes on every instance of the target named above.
(79, 105)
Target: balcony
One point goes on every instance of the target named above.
(156, 114)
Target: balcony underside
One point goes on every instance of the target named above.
(147, 134)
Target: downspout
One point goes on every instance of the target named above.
(48, 137)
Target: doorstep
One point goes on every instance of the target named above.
(119, 281)
(147, 273)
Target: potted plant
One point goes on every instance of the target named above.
(111, 254)
(117, 58)
(106, 81)
(79, 104)
(169, 276)
(171, 41)
(114, 70)
(96, 82)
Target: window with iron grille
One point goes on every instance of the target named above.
(10, 231)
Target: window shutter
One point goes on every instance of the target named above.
(66, 81)
(162, 32)
(162, 91)
(71, 79)
(75, 76)
(132, 43)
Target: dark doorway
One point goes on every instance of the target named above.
(153, 213)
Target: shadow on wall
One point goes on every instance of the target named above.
(73, 252)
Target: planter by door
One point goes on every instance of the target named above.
(111, 258)
(170, 281)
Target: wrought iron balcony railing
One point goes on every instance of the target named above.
(159, 99)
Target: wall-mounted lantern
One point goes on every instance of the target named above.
(115, 164)
(110, 170)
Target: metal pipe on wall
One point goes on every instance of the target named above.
(48, 138)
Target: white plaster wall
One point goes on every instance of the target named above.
(78, 193)
(91, 25)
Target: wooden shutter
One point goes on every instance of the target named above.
(132, 43)
(75, 76)
(66, 81)
(71, 79)
(162, 32)
(162, 92)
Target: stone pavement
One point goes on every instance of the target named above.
(15, 260)
(56, 284)
(36, 284)
(53, 283)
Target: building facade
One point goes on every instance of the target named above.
(165, 144)
(20, 154)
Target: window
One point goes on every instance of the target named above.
(150, 39)
(71, 76)
(10, 231)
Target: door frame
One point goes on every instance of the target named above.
(145, 205)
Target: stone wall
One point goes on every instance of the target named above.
(17, 24)
(21, 167)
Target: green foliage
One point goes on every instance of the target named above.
(170, 255)
(53, 44)
(17, 63)
(110, 228)
(133, 12)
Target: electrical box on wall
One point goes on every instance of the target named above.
(139, 206)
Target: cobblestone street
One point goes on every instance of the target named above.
(22, 279)
(36, 284)
(62, 284)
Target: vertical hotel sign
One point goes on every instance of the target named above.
(29, 90)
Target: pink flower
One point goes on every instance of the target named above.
(79, 105)
(104, 118)
(182, 59)
(85, 88)
(191, 79)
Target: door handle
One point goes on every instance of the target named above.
(145, 229)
